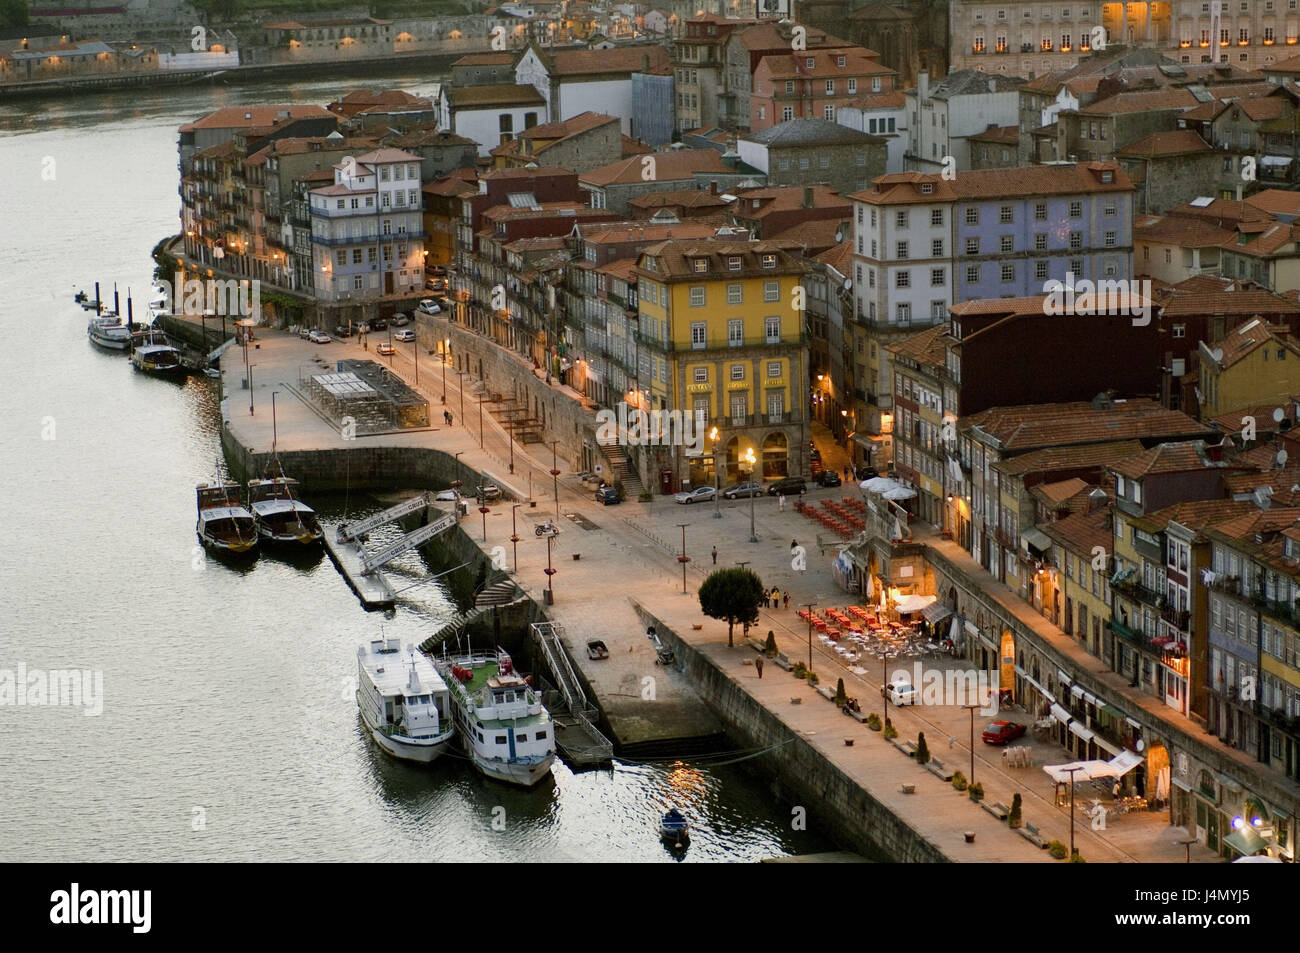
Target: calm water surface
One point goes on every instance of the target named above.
(229, 730)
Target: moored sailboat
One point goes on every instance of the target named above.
(282, 518)
(225, 527)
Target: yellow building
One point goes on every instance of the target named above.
(721, 338)
(1256, 364)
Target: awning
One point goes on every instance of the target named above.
(1087, 770)
(909, 604)
(935, 612)
(1246, 840)
(1081, 731)
(1109, 709)
(1077, 691)
(1275, 160)
(866, 441)
(1125, 762)
(1121, 576)
(1065, 679)
(1060, 714)
(1038, 540)
(1105, 745)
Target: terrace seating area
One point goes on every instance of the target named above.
(856, 632)
(845, 518)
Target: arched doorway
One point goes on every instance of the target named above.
(738, 467)
(776, 456)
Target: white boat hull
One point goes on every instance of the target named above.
(422, 750)
(514, 772)
(117, 344)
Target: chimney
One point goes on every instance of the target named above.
(713, 187)
(645, 62)
(923, 85)
(808, 196)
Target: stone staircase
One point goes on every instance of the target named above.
(621, 469)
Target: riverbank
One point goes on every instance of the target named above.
(395, 64)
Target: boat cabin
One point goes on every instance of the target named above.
(418, 705)
(215, 495)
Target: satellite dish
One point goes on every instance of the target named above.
(1217, 354)
(848, 283)
(839, 237)
(1281, 459)
(1278, 414)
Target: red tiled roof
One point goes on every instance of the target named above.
(245, 117)
(674, 165)
(1033, 426)
(1176, 143)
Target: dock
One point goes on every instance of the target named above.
(577, 737)
(372, 588)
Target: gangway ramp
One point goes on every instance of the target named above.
(370, 561)
(351, 531)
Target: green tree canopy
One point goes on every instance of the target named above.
(13, 13)
(733, 595)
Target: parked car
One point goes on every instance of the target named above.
(406, 334)
(1001, 732)
(400, 320)
(384, 349)
(900, 693)
(304, 333)
(866, 473)
(790, 486)
(608, 496)
(429, 306)
(447, 496)
(318, 337)
(344, 330)
(379, 324)
(738, 490)
(695, 495)
(829, 478)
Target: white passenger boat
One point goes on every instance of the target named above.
(404, 702)
(225, 527)
(282, 518)
(108, 330)
(504, 727)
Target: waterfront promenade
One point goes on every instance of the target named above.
(629, 552)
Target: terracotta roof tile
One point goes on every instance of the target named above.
(674, 165)
(1176, 143)
(1034, 426)
(1166, 458)
(1069, 458)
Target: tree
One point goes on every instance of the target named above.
(769, 648)
(841, 698)
(733, 595)
(13, 13)
(1014, 817)
(922, 749)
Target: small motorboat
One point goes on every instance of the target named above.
(596, 650)
(154, 355)
(86, 301)
(674, 829)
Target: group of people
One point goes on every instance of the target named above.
(775, 598)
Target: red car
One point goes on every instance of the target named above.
(1000, 732)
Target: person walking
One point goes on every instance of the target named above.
(758, 666)
(715, 555)
(780, 502)
(787, 598)
(776, 598)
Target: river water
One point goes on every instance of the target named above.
(228, 728)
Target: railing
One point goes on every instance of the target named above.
(1178, 618)
(548, 637)
(1139, 592)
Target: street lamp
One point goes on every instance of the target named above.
(510, 430)
(749, 458)
(415, 351)
(273, 427)
(550, 573)
(717, 478)
(809, 606)
(480, 398)
(514, 533)
(971, 709)
(683, 558)
(555, 477)
(446, 352)
(250, 389)
(1071, 771)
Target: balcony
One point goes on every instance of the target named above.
(1135, 637)
(1135, 590)
(1180, 619)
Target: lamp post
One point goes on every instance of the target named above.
(809, 606)
(749, 458)
(555, 476)
(446, 352)
(514, 533)
(273, 427)
(550, 573)
(484, 509)
(717, 479)
(250, 389)
(510, 430)
(461, 375)
(480, 420)
(415, 352)
(971, 709)
(683, 558)
(1071, 771)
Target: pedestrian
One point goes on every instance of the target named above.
(715, 555)
(787, 598)
(780, 502)
(758, 665)
(794, 544)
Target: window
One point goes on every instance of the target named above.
(1008, 272)
(773, 368)
(1076, 210)
(1005, 215)
(900, 250)
(903, 313)
(698, 334)
(972, 216)
(938, 313)
(828, 113)
(972, 274)
(733, 263)
(358, 282)
(737, 372)
(772, 328)
(902, 278)
(697, 297)
(771, 291)
(936, 217)
(972, 246)
(1040, 211)
(937, 277)
(1076, 241)
(701, 375)
(853, 86)
(1180, 330)
(936, 247)
(1040, 270)
(873, 218)
(699, 265)
(341, 258)
(768, 261)
(1076, 267)
(900, 220)
(787, 113)
(830, 87)
(1109, 210)
(735, 332)
(734, 293)
(356, 256)
(805, 164)
(1007, 243)
(789, 86)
